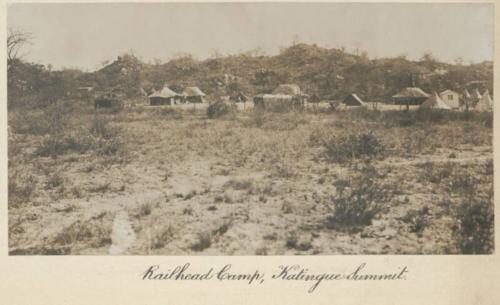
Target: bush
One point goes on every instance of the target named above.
(99, 137)
(358, 200)
(56, 145)
(20, 188)
(99, 128)
(475, 230)
(257, 118)
(51, 120)
(353, 146)
(168, 112)
(417, 220)
(220, 109)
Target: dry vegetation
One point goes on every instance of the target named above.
(250, 182)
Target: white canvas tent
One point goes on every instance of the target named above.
(434, 102)
(485, 103)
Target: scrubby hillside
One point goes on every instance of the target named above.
(330, 73)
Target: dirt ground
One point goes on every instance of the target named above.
(245, 184)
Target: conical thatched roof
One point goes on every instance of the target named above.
(411, 92)
(435, 102)
(287, 89)
(193, 91)
(485, 103)
(165, 92)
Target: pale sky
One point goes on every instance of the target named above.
(83, 35)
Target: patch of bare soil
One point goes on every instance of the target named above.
(254, 184)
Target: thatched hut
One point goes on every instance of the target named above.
(194, 95)
(410, 96)
(165, 97)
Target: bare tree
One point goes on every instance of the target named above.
(16, 40)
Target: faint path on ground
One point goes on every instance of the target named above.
(122, 236)
(442, 160)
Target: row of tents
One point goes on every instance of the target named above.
(167, 96)
(292, 94)
(448, 99)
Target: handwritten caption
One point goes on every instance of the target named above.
(282, 273)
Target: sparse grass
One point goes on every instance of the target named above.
(99, 138)
(286, 153)
(203, 241)
(474, 232)
(100, 188)
(220, 109)
(435, 173)
(99, 127)
(145, 209)
(240, 184)
(54, 181)
(92, 233)
(294, 241)
(417, 220)
(21, 188)
(162, 237)
(353, 146)
(52, 120)
(358, 201)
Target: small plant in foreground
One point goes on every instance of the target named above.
(475, 230)
(220, 109)
(417, 220)
(358, 201)
(353, 146)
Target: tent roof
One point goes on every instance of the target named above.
(485, 103)
(355, 97)
(411, 92)
(193, 91)
(466, 94)
(476, 94)
(448, 91)
(288, 89)
(165, 92)
(435, 102)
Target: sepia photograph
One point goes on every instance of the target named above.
(250, 129)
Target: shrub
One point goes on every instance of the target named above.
(242, 184)
(99, 127)
(91, 233)
(203, 241)
(162, 237)
(463, 182)
(20, 188)
(220, 109)
(417, 220)
(168, 112)
(435, 173)
(358, 200)
(475, 230)
(353, 146)
(40, 122)
(55, 145)
(99, 137)
(257, 118)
